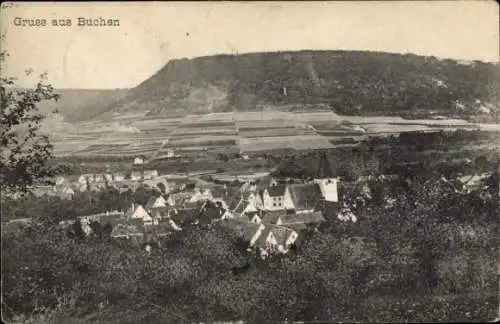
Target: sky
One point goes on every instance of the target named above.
(152, 33)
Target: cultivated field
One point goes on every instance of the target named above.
(245, 132)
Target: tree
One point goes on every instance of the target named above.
(25, 152)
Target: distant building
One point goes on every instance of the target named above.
(136, 175)
(150, 174)
(66, 192)
(138, 160)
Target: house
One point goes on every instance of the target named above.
(138, 212)
(136, 175)
(253, 217)
(248, 231)
(84, 178)
(249, 186)
(59, 180)
(155, 202)
(66, 192)
(327, 180)
(273, 217)
(150, 174)
(306, 197)
(139, 160)
(276, 239)
(277, 197)
(118, 177)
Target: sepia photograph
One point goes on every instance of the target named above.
(249, 162)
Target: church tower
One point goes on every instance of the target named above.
(327, 179)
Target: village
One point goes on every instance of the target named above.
(267, 213)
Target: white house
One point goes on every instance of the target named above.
(138, 212)
(82, 179)
(277, 197)
(276, 239)
(59, 180)
(150, 174)
(66, 192)
(136, 175)
(118, 177)
(139, 160)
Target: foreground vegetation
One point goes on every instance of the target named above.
(428, 256)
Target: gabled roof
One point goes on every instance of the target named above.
(151, 202)
(305, 196)
(324, 170)
(249, 215)
(281, 233)
(131, 211)
(235, 201)
(241, 207)
(277, 190)
(304, 218)
(242, 227)
(271, 217)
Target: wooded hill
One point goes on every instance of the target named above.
(349, 82)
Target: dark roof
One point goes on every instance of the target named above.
(281, 233)
(305, 196)
(324, 170)
(242, 227)
(297, 227)
(303, 218)
(233, 204)
(277, 190)
(261, 241)
(241, 207)
(271, 217)
(151, 202)
(250, 215)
